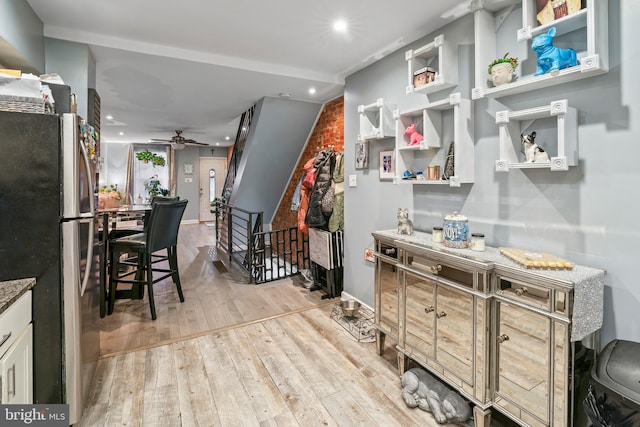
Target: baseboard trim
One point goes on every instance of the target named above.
(347, 296)
(190, 221)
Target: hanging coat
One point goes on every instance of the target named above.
(336, 221)
(305, 193)
(324, 166)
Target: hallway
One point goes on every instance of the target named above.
(239, 355)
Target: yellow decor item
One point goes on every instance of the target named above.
(529, 259)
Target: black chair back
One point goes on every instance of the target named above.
(164, 224)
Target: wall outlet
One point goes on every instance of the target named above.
(352, 180)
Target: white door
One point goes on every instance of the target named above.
(213, 171)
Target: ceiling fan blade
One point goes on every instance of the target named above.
(159, 140)
(192, 142)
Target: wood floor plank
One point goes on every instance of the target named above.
(197, 405)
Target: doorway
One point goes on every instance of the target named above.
(213, 171)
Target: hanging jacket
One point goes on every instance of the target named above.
(336, 221)
(295, 201)
(305, 194)
(324, 166)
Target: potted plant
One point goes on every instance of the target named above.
(145, 156)
(109, 197)
(154, 188)
(157, 160)
(501, 69)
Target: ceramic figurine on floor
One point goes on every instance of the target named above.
(532, 152)
(551, 58)
(421, 389)
(405, 226)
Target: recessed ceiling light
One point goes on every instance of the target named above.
(109, 117)
(340, 26)
(121, 133)
(312, 90)
(227, 138)
(217, 143)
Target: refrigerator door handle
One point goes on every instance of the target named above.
(87, 265)
(90, 186)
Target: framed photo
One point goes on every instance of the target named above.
(188, 168)
(387, 168)
(362, 155)
(369, 256)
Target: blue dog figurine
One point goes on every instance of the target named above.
(551, 58)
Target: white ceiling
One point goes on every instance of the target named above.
(197, 65)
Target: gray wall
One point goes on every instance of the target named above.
(21, 36)
(586, 214)
(75, 64)
(279, 131)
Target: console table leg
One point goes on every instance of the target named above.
(403, 362)
(481, 417)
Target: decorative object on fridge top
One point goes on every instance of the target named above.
(532, 152)
(421, 389)
(551, 59)
(147, 156)
(501, 70)
(405, 226)
(154, 188)
(456, 231)
(449, 163)
(415, 137)
(109, 197)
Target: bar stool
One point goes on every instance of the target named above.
(161, 233)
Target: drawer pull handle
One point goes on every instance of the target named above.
(435, 268)
(390, 251)
(441, 314)
(521, 291)
(5, 338)
(502, 338)
(429, 309)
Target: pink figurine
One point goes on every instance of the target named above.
(416, 137)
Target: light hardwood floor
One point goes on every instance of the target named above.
(235, 354)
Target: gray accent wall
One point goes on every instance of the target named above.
(279, 131)
(587, 214)
(21, 37)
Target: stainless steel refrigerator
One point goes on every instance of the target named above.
(48, 231)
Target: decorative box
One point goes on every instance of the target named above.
(423, 76)
(456, 231)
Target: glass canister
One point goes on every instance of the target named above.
(456, 231)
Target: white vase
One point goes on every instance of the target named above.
(501, 73)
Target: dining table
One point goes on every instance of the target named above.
(118, 217)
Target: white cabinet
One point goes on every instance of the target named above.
(438, 55)
(16, 353)
(442, 123)
(376, 120)
(585, 31)
(556, 127)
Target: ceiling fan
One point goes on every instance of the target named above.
(178, 141)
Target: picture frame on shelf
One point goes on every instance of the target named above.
(548, 11)
(362, 155)
(387, 169)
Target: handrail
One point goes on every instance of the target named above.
(265, 255)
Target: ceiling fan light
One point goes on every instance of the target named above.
(178, 146)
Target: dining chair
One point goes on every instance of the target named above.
(161, 233)
(121, 232)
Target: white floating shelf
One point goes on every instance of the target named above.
(513, 123)
(376, 120)
(441, 56)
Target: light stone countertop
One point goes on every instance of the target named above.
(12, 290)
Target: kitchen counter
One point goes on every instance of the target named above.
(11, 290)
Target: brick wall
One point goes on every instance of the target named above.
(328, 131)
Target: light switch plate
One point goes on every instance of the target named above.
(352, 181)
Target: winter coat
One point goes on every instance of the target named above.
(324, 167)
(305, 194)
(336, 222)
